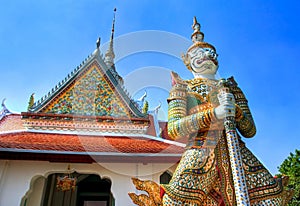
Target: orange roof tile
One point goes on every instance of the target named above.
(85, 143)
(17, 143)
(11, 122)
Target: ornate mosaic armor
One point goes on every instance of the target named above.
(217, 169)
(203, 176)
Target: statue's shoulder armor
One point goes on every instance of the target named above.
(231, 82)
(179, 87)
(235, 89)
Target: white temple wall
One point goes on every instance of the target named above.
(19, 179)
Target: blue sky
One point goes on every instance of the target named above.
(257, 42)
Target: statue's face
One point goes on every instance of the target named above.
(203, 60)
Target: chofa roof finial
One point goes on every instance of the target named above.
(98, 42)
(4, 110)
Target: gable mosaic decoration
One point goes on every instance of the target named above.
(90, 94)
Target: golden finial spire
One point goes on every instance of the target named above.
(110, 55)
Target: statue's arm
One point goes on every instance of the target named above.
(244, 120)
(180, 124)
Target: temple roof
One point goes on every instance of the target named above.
(16, 139)
(94, 88)
(88, 114)
(91, 89)
(70, 143)
(91, 98)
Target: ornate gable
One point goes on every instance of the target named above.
(91, 93)
(90, 99)
(91, 90)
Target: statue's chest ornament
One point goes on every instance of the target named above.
(206, 90)
(202, 89)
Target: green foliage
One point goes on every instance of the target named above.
(31, 101)
(291, 167)
(145, 107)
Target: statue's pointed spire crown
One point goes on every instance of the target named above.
(197, 35)
(110, 55)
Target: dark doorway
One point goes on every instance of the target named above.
(90, 190)
(91, 194)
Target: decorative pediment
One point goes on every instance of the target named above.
(92, 99)
(92, 90)
(90, 94)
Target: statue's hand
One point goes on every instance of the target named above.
(226, 107)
